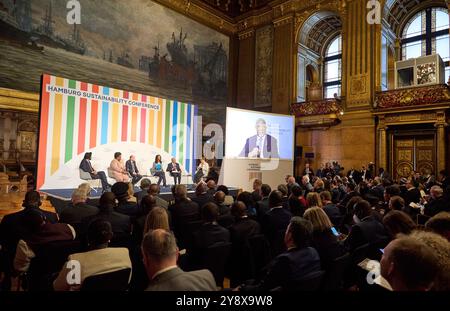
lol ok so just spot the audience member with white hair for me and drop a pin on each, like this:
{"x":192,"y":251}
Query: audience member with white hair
{"x":436,"y":203}
{"x":78,"y":209}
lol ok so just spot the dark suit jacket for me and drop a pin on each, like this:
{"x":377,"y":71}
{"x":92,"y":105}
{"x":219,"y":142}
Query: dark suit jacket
{"x":171,"y":167}
{"x":84,"y":165}
{"x":369,"y":230}
{"x":262,"y":207}
{"x":274,"y":224}
{"x":129,"y":167}
{"x":184,"y":211}
{"x":242,"y":229}
{"x":128,"y":208}
{"x":178,"y":280}
{"x":291,"y":267}
{"x":202,"y":199}
{"x":210,"y":234}
{"x":270,"y":147}
{"x":333,"y":213}
{"x":412,"y":195}
{"x":74,"y":214}
{"x":120,"y":223}
{"x":436,"y":206}
{"x":328,"y":247}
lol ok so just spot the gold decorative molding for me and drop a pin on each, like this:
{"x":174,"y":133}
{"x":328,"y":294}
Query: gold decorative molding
{"x":18,"y":100}
{"x":418,"y":117}
{"x":246,"y":34}
{"x":283,"y":21}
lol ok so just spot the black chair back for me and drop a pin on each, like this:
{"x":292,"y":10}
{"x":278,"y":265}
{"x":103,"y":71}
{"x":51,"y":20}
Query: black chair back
{"x":333,"y":278}
{"x":422,"y":219}
{"x":185,"y":233}
{"x":49,"y":260}
{"x":112,"y":281}
{"x":311,"y":282}
{"x":259,"y":254}
{"x":214,"y":259}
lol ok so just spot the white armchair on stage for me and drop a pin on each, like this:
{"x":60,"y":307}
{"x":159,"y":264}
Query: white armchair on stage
{"x":94,"y":183}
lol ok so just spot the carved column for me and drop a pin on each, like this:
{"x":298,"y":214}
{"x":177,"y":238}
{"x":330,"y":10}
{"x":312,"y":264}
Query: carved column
{"x":245,"y":89}
{"x":382,"y":143}
{"x":282,"y":63}
{"x":440,"y":126}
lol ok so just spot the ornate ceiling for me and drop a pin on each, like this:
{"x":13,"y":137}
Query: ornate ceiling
{"x":234,"y":8}
{"x":318,"y":28}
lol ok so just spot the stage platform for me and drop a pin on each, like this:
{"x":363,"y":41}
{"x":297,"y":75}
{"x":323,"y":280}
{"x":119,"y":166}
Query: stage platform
{"x":60,"y":198}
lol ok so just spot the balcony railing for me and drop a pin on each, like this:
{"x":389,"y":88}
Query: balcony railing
{"x":413,"y":96}
{"x":316,"y":107}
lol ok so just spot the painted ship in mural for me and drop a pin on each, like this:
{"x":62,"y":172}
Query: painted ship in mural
{"x":205,"y":73}
{"x":16,"y":23}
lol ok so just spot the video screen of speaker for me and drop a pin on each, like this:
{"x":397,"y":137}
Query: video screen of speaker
{"x":253,"y":134}
{"x":80,"y":121}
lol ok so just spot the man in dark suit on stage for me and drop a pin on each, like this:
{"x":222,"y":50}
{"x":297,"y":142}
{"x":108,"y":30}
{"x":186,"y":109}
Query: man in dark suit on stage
{"x":86,"y":166}
{"x":261,"y":145}
{"x":132,"y":169}
{"x":175,"y":171}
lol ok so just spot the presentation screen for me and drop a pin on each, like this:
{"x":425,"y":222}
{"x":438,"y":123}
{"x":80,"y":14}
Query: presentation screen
{"x":78,"y":117}
{"x":253,"y":134}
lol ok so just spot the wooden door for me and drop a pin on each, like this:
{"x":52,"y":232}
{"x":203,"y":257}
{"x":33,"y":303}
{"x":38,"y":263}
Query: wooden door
{"x":414,"y":153}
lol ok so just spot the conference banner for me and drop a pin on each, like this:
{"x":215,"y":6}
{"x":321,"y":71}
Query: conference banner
{"x":78,"y":117}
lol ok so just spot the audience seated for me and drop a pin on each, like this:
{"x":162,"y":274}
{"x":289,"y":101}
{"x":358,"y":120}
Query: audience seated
{"x":297,"y":202}
{"x":330,"y":209}
{"x":323,"y":239}
{"x":154,"y":190}
{"x":247,"y":198}
{"x":243,"y":227}
{"x":157,"y":218}
{"x":183,"y":210}
{"x":262,"y":206}
{"x":78,"y":209}
{"x":284,"y":191}
{"x":366,"y":228}
{"x":160,"y":254}
{"x":306,"y":185}
{"x":396,"y":222}
{"x":210,"y":233}
{"x":275,"y":222}
{"x":211,"y":184}
{"x":409,"y":265}
{"x":290,"y":182}
{"x":202,"y":196}
{"x":120,"y":223}
{"x":40,"y":232}
{"x":98,"y":260}
{"x":145,"y":186}
{"x":437,"y":203}
{"x":313,"y":199}
{"x":292,"y":266}
{"x":228,"y":201}
{"x":148,"y":203}
{"x":440,"y":223}
{"x":126,"y":205}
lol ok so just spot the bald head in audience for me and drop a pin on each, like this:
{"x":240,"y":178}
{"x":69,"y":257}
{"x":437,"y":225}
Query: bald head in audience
{"x":159,"y":251}
{"x":409,"y":265}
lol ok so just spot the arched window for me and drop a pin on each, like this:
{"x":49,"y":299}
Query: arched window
{"x":427,"y":33}
{"x":332,"y":68}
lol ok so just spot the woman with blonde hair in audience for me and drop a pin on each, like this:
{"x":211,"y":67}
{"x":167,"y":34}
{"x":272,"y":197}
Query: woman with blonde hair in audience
{"x":313,"y":199}
{"x":324,"y":240}
{"x":85,"y":187}
{"x":157,"y":219}
{"x":319,"y":185}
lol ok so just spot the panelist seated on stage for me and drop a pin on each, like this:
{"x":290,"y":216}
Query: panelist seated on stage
{"x":157,"y":170}
{"x":202,"y":170}
{"x":175,"y":171}
{"x":86,"y":166}
{"x":132,"y":169}
{"x":261,"y":145}
{"x":118,"y":169}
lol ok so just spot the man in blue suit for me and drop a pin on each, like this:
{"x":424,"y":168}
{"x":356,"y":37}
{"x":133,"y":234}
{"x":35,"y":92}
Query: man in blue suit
{"x":261,"y":145}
